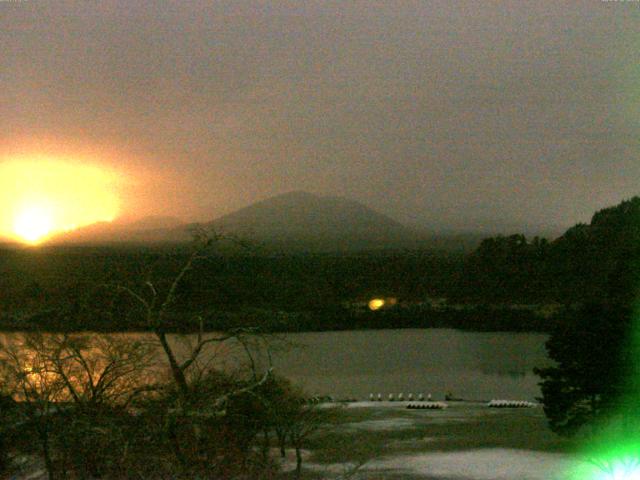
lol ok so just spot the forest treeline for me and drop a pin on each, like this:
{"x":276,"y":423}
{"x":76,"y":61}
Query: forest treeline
{"x":594,"y":263}
{"x":295,"y":292}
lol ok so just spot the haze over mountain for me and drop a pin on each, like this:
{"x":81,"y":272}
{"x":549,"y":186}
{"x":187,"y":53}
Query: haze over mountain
{"x":294,"y":219}
{"x":435,"y":113}
{"x":321,"y":220}
{"x":298,"y":220}
{"x":149,"y":229}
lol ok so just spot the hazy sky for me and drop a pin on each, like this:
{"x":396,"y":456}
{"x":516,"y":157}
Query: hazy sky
{"x":442,"y":113}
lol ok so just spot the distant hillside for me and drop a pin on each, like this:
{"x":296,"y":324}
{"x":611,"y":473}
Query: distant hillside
{"x":295,"y":221}
{"x":595,"y":262}
{"x":153,"y":222}
{"x":150,"y":229}
{"x":603,"y":258}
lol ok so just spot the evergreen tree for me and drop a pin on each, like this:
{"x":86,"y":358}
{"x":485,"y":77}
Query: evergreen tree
{"x":593,"y":376}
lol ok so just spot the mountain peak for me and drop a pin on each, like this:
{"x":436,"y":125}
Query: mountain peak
{"x":295,"y":218}
{"x":302,"y":217}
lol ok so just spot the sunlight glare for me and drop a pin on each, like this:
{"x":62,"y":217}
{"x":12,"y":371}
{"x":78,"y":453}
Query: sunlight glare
{"x":33,"y":223}
{"x":43,"y":197}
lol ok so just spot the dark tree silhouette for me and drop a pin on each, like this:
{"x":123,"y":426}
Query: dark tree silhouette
{"x":593,"y":377}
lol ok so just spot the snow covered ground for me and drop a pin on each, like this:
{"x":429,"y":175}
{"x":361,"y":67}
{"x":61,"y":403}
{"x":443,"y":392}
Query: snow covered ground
{"x":467,"y":441}
{"x":486,"y":464}
{"x":464,"y":442}
{"x":480,"y":464}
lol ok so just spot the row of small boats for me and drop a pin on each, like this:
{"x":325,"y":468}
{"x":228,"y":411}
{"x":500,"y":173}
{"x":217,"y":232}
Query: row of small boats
{"x":491,"y":404}
{"x":421,"y":403}
{"x":510,"y":404}
{"x":427,"y":406}
{"x":400,"y":398}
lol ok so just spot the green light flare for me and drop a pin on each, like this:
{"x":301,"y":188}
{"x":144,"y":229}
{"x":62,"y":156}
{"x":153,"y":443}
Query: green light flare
{"x":610,"y":449}
{"x":619,"y":473}
{"x":622,"y":468}
{"x":614,"y":452}
{"x":608,"y":460}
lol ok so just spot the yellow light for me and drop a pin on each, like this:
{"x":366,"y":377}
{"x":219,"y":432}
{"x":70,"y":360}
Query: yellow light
{"x":42,"y":197}
{"x":33,"y":223}
{"x":376,"y":304}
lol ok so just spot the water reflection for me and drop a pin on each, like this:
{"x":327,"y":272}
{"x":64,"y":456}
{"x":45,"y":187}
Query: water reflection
{"x":476,"y":366}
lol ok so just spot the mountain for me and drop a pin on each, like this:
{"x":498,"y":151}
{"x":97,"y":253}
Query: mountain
{"x":320,"y":221}
{"x":152,"y":222}
{"x":151,"y":229}
{"x":295,"y":220}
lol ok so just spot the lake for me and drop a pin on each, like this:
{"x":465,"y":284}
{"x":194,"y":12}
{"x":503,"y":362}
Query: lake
{"x":470,"y":365}
{"x":352,"y":364}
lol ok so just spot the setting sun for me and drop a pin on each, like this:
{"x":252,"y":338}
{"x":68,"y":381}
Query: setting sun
{"x":33,"y":223}
{"x":41,"y":198}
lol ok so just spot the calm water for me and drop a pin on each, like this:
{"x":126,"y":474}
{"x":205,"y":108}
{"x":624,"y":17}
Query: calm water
{"x":474,"y":366}
{"x":352,"y":364}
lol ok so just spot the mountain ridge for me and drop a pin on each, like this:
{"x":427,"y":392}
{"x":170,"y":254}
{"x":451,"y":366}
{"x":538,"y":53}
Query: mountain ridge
{"x":295,"y":220}
{"x":301,"y":215}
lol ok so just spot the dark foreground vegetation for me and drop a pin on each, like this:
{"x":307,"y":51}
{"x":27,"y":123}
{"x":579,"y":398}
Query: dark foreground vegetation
{"x":96,"y":406}
{"x":100,"y":407}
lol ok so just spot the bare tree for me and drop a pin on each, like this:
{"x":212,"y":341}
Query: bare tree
{"x":99,"y":409}
{"x":68,"y":387}
{"x":28,"y":376}
{"x":306,"y":421}
{"x":203,"y":395}
{"x":155,"y":307}
{"x":100,"y":369}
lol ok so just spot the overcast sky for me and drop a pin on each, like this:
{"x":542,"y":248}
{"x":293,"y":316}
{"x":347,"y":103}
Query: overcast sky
{"x":447,"y":114}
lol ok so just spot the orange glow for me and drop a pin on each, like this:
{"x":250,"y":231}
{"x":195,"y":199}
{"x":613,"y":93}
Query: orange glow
{"x":376,"y":304}
{"x":40,"y":198}
{"x":33,"y":223}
